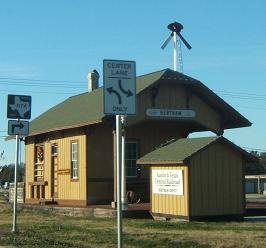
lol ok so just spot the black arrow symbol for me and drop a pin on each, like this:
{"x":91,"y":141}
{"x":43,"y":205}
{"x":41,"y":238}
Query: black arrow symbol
{"x":110,"y":90}
{"x":20,"y":125}
{"x":126,"y":92}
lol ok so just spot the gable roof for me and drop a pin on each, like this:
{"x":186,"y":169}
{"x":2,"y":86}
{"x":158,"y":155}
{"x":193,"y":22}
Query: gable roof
{"x":87,"y":108}
{"x":182,"y":149}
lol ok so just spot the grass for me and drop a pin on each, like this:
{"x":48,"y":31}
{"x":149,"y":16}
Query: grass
{"x":44,"y":229}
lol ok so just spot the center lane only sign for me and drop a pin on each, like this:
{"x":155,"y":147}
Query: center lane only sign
{"x":119,"y":84}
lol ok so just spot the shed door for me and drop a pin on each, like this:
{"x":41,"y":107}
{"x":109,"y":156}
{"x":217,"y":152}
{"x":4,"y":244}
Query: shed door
{"x":54,"y":164}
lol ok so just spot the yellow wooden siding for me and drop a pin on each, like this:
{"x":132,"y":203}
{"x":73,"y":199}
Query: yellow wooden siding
{"x":29,"y":174}
{"x":216,"y":186}
{"x":171,"y":204}
{"x":154,"y":134}
{"x":100,"y":164}
{"x":47,"y":169}
{"x":203,"y":113}
{"x":67,"y":189}
{"x":173,"y":96}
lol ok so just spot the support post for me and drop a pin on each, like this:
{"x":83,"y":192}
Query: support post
{"x":175,"y":52}
{"x":180,"y":60}
{"x":14,"y":228}
{"x":118,"y":179}
{"x":123,"y":173}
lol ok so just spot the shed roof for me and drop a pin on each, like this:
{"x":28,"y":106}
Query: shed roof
{"x":87,"y":108}
{"x":182,"y":149}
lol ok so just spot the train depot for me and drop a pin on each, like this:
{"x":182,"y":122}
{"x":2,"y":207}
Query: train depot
{"x":71,"y":148}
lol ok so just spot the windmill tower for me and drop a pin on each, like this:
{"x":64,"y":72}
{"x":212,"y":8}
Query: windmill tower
{"x":176,"y":28}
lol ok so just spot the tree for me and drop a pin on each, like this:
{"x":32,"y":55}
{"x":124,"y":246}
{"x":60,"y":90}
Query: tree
{"x":7,"y":173}
{"x":258,"y":167}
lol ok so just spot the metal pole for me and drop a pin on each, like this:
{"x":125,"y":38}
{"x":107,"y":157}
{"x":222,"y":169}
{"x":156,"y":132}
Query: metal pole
{"x":118,"y":179}
{"x":14,"y":229}
{"x":123,"y":162}
{"x":175,"y":52}
{"x":180,"y":59}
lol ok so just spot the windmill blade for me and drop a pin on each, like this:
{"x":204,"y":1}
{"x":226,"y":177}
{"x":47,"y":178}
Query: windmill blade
{"x":184,"y":41}
{"x":167,"y":40}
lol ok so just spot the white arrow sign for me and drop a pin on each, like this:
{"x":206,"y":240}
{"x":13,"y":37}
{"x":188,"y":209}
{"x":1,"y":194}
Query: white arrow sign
{"x":18,"y":127}
{"x":119,"y":81}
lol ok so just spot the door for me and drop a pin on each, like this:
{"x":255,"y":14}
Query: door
{"x":54,"y":179}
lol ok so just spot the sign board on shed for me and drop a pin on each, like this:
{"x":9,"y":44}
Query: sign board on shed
{"x":168,"y":182}
{"x":19,"y":107}
{"x":119,"y":81}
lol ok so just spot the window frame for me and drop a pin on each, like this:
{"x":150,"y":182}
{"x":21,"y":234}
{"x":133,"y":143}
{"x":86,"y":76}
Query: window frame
{"x":76,"y":160}
{"x":135,"y":159}
{"x":53,"y":153}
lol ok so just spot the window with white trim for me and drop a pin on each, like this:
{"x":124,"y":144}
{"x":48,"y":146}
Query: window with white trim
{"x":131,"y":157}
{"x":74,"y":160}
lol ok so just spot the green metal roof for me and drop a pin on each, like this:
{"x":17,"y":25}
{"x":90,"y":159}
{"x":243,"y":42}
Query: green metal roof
{"x":182,"y":149}
{"x":177,"y":151}
{"x":87,"y":108}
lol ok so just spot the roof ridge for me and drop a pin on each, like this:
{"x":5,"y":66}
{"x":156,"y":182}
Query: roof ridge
{"x":86,"y":92}
{"x":143,"y":75}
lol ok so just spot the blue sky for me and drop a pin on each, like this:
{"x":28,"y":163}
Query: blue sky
{"x":60,"y":41}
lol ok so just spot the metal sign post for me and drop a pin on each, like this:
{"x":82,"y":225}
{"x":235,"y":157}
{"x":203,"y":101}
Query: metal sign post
{"x":119,"y":86}
{"x":118,"y":178}
{"x":14,"y":227}
{"x":18,"y":107}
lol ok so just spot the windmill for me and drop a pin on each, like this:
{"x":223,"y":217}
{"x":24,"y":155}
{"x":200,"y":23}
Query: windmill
{"x":176,"y":28}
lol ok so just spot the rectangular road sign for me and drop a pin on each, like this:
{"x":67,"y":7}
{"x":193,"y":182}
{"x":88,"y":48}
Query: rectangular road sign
{"x":119,"y":81}
{"x":18,"y":127}
{"x":19,"y":107}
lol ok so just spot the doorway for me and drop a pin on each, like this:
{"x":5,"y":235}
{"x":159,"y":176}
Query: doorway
{"x":54,"y":175}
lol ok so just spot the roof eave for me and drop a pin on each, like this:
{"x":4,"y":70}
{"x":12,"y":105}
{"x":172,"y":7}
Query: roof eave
{"x":159,"y":162}
{"x":65,"y":127}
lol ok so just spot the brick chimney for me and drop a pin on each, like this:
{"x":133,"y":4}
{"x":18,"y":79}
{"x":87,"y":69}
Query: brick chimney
{"x":93,"y":80}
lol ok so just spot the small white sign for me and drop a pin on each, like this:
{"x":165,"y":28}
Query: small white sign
{"x":18,"y":127}
{"x":173,"y":113}
{"x":168,"y":182}
{"x":119,"y":81}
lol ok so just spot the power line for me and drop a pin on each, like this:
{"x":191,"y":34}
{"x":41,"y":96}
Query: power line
{"x":254,"y":149}
{"x":241,"y":93}
{"x":40,"y":80}
{"x":46,"y":85}
{"x":250,"y":107}
{"x":42,"y":92}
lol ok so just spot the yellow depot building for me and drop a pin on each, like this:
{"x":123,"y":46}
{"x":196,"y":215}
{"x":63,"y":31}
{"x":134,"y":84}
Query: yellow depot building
{"x":70,"y":150}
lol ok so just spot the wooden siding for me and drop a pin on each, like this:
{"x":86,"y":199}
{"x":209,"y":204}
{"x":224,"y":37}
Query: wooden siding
{"x":71,"y":189}
{"x":153,"y":134}
{"x":68,"y":189}
{"x":100,"y":164}
{"x":29,"y":173}
{"x":171,"y":204}
{"x":216,"y":182}
{"x":100,"y":151}
{"x":172,"y":96}
{"x":205,"y":114}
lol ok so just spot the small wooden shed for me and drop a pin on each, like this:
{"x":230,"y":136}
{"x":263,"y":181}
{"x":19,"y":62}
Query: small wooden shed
{"x":195,"y":178}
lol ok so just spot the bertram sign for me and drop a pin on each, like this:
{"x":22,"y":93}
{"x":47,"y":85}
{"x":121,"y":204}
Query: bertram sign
{"x":119,"y":81}
{"x":172,"y":113}
{"x":168,"y":182}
